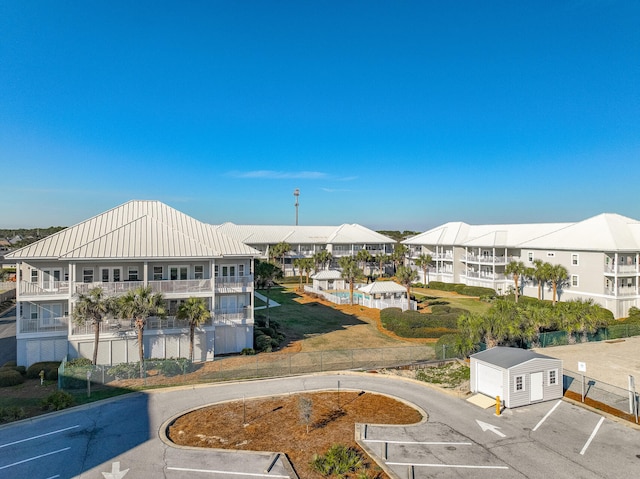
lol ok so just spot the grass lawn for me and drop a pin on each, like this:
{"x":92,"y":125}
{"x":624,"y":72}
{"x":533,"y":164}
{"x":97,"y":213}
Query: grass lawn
{"x":473,"y":305}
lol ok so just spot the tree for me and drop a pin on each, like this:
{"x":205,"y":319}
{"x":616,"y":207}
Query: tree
{"x":322,"y":258}
{"x":558,"y":274}
{"x":407,"y":275}
{"x":140,"y":304}
{"x":307,"y":265}
{"x":363,"y":256}
{"x":424,"y":262}
{"x":280,"y":250}
{"x":298,"y":264}
{"x":381,"y":260}
{"x":516,"y":269}
{"x":398,"y":256}
{"x":92,"y":308}
{"x":196,"y":312}
{"x":266,"y":274}
{"x":350,"y":272}
{"x":540,"y":274}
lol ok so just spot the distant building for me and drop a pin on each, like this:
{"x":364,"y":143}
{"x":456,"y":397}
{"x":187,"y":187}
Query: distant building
{"x":600,"y":253}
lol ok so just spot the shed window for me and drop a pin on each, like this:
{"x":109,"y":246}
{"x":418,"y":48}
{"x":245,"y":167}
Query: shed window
{"x":519,"y":383}
{"x":553,"y":377}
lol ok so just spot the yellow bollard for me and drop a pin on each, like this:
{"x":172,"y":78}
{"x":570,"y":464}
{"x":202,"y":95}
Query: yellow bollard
{"x":497,"y":405}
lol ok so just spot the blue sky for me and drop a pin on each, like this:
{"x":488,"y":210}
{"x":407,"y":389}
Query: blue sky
{"x":394,"y":115}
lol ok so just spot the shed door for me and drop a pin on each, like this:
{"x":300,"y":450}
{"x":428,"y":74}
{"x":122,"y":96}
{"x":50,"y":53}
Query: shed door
{"x":489,"y":380}
{"x":536,"y":386}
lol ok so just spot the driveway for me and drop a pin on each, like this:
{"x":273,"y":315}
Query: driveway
{"x":123,"y":437}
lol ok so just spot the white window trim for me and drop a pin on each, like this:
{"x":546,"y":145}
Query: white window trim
{"x":515,"y":383}
{"x":575,"y":256}
{"x":154,"y":273}
{"x":178,"y":268}
{"x":555,"y":383}
{"x":196,"y":272}
{"x":575,"y":280}
{"x":132,"y":269}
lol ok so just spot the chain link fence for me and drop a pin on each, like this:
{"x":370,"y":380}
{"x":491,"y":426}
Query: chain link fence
{"x":562,"y":338}
{"x":600,"y":394}
{"x":76,"y":374}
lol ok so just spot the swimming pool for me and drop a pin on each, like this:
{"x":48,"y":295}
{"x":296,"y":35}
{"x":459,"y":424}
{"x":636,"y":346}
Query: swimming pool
{"x":345,"y":294}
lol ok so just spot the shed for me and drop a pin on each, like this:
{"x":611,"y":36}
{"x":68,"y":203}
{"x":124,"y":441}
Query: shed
{"x":519,"y":376}
{"x":328,"y":279}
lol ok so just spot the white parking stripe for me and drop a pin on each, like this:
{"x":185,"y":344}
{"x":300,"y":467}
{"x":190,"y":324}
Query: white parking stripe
{"x":419,"y":442}
{"x":211,"y":471}
{"x":461,"y":466}
{"x":38,"y":436}
{"x":547,"y":415}
{"x":34,"y":458}
{"x":593,"y":434}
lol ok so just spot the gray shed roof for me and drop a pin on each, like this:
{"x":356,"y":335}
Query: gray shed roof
{"x":508,"y":357}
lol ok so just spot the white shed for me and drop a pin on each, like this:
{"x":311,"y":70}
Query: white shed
{"x":328,"y":279}
{"x":518,"y":376}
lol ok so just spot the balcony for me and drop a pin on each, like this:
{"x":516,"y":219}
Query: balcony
{"x":47,"y":288}
{"x":109,"y":289}
{"x":621,"y":291}
{"x":233,"y":283}
{"x":626,"y":269}
{"x":119,"y":326}
{"x":43,"y":325}
{"x":472,"y":258}
{"x":486,"y":276}
{"x":184,"y":286}
{"x":231,"y":317}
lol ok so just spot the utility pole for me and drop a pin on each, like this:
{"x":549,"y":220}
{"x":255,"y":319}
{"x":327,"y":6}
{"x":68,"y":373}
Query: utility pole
{"x":296,"y":193}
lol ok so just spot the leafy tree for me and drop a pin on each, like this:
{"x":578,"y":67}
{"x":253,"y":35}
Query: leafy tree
{"x":266,"y":274}
{"x":350,"y":272}
{"x":407,"y":275}
{"x":140,"y":304}
{"x":558,"y":274}
{"x":424,"y":262}
{"x":92,"y":307}
{"x":196,"y":312}
{"x":516,"y":269}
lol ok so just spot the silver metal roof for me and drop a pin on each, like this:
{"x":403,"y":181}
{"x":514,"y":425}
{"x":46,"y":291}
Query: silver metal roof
{"x":136,"y":229}
{"x":506,"y":358}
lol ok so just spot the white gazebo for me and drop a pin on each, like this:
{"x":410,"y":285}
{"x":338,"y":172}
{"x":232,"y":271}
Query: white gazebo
{"x":385,"y":294}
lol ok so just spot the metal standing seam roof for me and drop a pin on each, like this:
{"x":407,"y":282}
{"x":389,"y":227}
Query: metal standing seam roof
{"x":136,"y":229}
{"x":382,"y":287}
{"x":506,"y":358}
{"x":327,"y":274}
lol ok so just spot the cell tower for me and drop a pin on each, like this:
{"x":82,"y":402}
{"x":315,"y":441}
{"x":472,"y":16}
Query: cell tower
{"x":296,"y":193}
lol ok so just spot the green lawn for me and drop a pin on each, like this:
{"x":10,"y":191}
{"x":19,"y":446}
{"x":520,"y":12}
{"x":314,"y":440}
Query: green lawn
{"x":473,"y":305}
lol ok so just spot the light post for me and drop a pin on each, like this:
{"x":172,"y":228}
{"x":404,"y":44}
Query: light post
{"x":296,"y":193}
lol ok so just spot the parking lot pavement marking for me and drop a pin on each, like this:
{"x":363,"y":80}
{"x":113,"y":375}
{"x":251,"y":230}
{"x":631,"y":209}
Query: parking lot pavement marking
{"x":38,"y":436}
{"x":233,"y":473}
{"x":485,"y":426}
{"x":421,"y":442}
{"x":547,"y":415}
{"x":451,"y":466}
{"x":593,"y":434}
{"x":34,"y":458}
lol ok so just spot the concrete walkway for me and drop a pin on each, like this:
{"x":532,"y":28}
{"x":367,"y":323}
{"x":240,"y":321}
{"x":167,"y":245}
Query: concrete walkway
{"x":262,"y":297}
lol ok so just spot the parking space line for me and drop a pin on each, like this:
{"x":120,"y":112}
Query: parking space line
{"x":34,"y":458}
{"x":38,"y":436}
{"x":460,"y":466}
{"x":233,"y":473}
{"x":593,"y":434}
{"x":547,"y":415}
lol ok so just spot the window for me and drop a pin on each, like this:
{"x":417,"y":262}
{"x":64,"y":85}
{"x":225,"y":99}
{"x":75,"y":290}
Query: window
{"x":240,"y":270}
{"x":216,"y":271}
{"x":87,"y":275}
{"x":105,"y":275}
{"x":519,"y":383}
{"x":553,"y":377}
{"x":198,"y":271}
{"x":530,"y":257}
{"x":34,"y":275}
{"x":550,"y":254}
{"x":116,"y":275}
{"x":574,"y":259}
{"x":178,"y":272}
{"x":133,"y":273}
{"x":158,"y":273}
{"x":574,"y":280}
{"x":34,"y":311}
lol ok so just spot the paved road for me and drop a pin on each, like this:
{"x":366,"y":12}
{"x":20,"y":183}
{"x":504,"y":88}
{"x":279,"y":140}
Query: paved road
{"x":8,"y":336}
{"x":122,"y":438}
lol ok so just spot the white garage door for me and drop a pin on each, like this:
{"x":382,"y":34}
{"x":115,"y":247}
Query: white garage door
{"x":489,"y":380}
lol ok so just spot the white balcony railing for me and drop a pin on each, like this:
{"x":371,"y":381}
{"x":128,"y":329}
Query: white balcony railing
{"x":116,"y":326}
{"x":181,"y":286}
{"x":225,"y":282}
{"x":43,"y":325}
{"x":622,"y":291}
{"x":621,"y":269}
{"x":47,"y":288}
{"x":109,"y":289}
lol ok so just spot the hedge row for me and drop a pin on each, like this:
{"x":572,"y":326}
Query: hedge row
{"x":462,"y":289}
{"x":411,"y":324}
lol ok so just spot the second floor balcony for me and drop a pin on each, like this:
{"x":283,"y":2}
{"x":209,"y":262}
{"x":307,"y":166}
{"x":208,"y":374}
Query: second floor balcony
{"x":54,"y":324}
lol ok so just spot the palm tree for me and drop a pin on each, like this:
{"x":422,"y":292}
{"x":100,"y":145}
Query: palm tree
{"x":92,"y":307}
{"x":363,"y":256}
{"x":424,"y":262}
{"x":140,"y":304}
{"x":407,"y":275}
{"x":280,"y":250}
{"x":196,"y":312}
{"x":298,"y":264}
{"x":266,"y":274}
{"x":350,"y":272}
{"x":516,"y":269}
{"x":540,"y":274}
{"x":307,"y":265}
{"x":322,"y":258}
{"x":382,"y":259}
{"x":398,"y":255}
{"x":558,"y":274}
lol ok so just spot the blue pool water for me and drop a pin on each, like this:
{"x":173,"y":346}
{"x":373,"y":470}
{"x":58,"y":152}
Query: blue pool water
{"x":345,"y":294}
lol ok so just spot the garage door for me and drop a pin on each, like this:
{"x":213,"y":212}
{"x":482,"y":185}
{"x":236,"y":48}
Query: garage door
{"x":489,"y":380}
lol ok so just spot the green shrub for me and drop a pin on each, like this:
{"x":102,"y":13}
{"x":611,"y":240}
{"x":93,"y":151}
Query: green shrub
{"x":50,"y":370}
{"x":13,"y":413}
{"x":339,"y":460}
{"x":248,"y":352}
{"x":57,"y":401}
{"x":10,"y":377}
{"x":411,"y":324}
{"x":79,"y":362}
{"x":125,"y":370}
{"x":9,"y":364}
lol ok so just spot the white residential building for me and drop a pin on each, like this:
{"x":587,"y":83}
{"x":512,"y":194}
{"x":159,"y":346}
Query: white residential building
{"x":139,"y":243}
{"x":601,"y":254}
{"x":305,"y":241}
